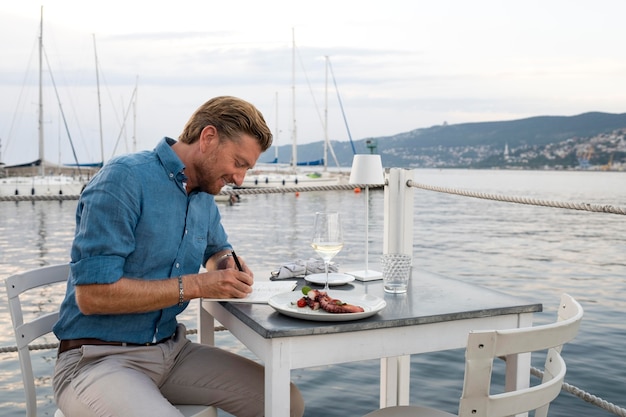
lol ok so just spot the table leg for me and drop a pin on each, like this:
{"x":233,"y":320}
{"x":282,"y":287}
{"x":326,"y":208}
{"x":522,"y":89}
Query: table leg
{"x":206,"y":326}
{"x":277,"y":381}
{"x":517,"y":374}
{"x":518,"y":366}
{"x":404,"y":379}
{"x":395,"y":378}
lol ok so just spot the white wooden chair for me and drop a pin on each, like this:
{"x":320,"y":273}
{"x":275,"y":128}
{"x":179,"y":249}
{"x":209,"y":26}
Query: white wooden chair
{"x":484,"y":346}
{"x":27,"y":332}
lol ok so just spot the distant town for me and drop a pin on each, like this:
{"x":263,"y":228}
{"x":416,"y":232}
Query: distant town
{"x":589,"y":141}
{"x":605,"y":152}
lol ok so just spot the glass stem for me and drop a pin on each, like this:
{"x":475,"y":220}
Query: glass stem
{"x":326,"y":264}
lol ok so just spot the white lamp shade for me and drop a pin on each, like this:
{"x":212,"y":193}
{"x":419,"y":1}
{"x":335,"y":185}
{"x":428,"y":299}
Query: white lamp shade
{"x":367,"y":169}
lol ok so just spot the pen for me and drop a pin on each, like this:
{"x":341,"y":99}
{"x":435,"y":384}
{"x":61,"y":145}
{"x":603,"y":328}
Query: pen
{"x":237,"y":261}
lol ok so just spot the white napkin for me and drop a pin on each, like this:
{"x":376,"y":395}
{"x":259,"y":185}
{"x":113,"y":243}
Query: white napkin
{"x":300,"y":268}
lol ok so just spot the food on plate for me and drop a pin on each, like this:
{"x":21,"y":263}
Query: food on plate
{"x":316,"y":299}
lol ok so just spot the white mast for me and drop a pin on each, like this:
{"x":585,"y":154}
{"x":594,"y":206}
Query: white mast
{"x":40,"y":124}
{"x":326,"y":120}
{"x":294,"y":146}
{"x":276,"y":131}
{"x":135,"y":115}
{"x":99,"y":102}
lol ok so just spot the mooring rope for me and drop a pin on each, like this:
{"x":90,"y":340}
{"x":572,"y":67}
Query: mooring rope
{"x":522,"y":200}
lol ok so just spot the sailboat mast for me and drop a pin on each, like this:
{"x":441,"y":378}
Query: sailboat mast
{"x":99,"y":102}
{"x":135,"y":115}
{"x":326,"y":120}
{"x":294,"y":145}
{"x":276,"y":130}
{"x":40,"y":122}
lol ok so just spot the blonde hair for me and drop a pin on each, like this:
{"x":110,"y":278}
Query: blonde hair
{"x":231,"y":116}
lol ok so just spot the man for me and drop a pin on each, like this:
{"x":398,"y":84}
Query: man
{"x":144,"y":225}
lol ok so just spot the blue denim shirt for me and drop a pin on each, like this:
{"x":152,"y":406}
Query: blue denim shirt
{"x":135,"y":220}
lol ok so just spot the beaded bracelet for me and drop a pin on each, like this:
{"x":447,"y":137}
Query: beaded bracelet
{"x":181,"y":291}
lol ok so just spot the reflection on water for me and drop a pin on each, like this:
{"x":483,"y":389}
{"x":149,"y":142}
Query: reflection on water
{"x":34,"y":234}
{"x":530,"y":251}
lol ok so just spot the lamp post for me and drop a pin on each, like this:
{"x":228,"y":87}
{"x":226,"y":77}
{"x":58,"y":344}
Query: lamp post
{"x":367,"y":169}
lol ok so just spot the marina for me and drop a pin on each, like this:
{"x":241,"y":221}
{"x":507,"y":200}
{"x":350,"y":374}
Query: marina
{"x":41,"y":177}
{"x":518,"y":249}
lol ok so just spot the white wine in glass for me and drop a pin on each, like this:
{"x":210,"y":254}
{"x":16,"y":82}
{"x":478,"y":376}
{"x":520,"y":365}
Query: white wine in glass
{"x":327,"y":238}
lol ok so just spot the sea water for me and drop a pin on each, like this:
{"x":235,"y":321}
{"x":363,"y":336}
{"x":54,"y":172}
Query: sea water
{"x":519,"y":249}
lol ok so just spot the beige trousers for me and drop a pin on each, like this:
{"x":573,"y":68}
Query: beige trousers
{"x":118,"y":381}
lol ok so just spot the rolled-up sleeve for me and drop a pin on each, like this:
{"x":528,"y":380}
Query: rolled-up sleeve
{"x":105,"y":228}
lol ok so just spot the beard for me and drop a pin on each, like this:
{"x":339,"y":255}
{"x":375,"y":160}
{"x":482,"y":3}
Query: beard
{"x":209,"y":181}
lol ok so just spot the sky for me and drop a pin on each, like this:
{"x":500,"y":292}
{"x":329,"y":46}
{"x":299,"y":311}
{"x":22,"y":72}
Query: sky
{"x":395,"y":66}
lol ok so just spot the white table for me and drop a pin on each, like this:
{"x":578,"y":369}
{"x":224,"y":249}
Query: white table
{"x":436,"y":314}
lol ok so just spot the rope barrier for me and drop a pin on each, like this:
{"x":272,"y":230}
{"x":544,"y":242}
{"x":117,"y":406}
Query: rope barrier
{"x":590,"y":398}
{"x":343,"y":187}
{"x":233,"y":192}
{"x":48,"y":197}
{"x":47,"y":346}
{"x":522,"y":200}
{"x":284,"y":190}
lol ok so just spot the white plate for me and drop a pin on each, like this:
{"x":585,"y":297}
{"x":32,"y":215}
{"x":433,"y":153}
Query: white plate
{"x":285,"y":303}
{"x":334,"y":278}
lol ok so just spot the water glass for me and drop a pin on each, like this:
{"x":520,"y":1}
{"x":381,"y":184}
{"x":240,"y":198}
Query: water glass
{"x":396,"y":272}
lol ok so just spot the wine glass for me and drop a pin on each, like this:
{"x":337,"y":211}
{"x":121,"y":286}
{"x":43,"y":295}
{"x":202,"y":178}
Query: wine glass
{"x":327,"y":238}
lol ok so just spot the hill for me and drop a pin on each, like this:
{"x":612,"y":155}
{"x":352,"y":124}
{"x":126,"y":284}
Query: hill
{"x":558,"y":142}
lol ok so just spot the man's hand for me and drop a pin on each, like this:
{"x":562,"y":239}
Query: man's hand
{"x":225,"y":260}
{"x":224,"y":283}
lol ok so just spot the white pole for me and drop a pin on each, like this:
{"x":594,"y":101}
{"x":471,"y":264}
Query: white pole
{"x":398,"y":225}
{"x":395,"y":372}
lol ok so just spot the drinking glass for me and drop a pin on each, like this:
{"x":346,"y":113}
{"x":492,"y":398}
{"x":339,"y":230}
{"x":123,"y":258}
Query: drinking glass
{"x":327,"y":238}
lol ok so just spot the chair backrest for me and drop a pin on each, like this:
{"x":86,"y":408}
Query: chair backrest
{"x":27,"y":332}
{"x":484,"y":346}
